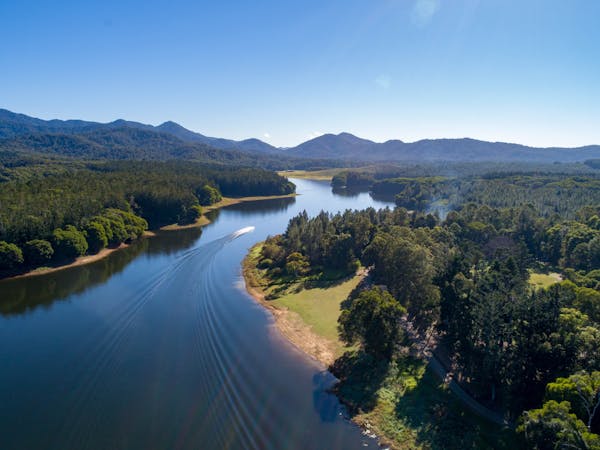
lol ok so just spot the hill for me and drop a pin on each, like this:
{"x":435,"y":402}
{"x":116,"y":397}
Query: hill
{"x":347,"y":146}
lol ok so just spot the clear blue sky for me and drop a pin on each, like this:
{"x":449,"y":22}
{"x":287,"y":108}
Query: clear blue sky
{"x":511,"y":70}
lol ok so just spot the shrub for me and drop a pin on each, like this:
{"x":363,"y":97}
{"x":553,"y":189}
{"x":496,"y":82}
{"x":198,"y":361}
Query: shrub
{"x":11,"y":256}
{"x":37,"y":252}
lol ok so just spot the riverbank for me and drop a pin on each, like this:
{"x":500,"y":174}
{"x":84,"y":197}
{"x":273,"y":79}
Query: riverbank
{"x":226,"y":201}
{"x":305,"y":317}
{"x":319,"y":175}
{"x":403,"y":402}
{"x":89,"y":259}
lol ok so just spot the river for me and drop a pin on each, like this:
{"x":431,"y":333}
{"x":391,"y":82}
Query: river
{"x":158,"y":346}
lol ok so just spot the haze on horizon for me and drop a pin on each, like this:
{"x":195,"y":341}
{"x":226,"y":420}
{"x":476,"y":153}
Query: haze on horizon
{"x":524,"y":72}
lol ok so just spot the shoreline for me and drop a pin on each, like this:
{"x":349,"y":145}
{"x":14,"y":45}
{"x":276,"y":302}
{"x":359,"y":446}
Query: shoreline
{"x":289,"y":324}
{"x":79,"y":261}
{"x":225,"y":202}
{"x":105,"y":252}
{"x":300,"y":335}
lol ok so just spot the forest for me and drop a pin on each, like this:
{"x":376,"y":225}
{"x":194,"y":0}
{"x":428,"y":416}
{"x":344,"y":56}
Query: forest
{"x":463,"y":281}
{"x":82,"y":208}
{"x":561,"y":192}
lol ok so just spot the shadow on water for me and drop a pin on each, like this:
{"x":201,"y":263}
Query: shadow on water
{"x":20,"y":296}
{"x":355,"y":192}
{"x":325,"y":404}
{"x":262,"y":207}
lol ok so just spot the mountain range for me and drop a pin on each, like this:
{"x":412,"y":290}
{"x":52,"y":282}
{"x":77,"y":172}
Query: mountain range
{"x":122,"y":139}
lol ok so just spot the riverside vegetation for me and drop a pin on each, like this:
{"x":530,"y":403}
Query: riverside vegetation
{"x":482,"y":287}
{"x":51,"y":219}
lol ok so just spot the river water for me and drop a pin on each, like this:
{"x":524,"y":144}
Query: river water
{"x":158,"y":346}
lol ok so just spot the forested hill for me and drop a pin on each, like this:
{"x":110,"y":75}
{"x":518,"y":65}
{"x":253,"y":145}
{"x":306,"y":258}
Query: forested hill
{"x":126,"y":143}
{"x":347,"y":146}
{"x":13,"y":125}
{"x":175,"y":141}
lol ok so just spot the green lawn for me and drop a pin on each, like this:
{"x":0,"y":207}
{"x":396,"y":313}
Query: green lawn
{"x":320,"y":308}
{"x":542,"y":280}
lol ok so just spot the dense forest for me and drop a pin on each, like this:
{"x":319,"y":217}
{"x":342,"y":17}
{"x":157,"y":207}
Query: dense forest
{"x":560,"y":193}
{"x":82,"y":209}
{"x":464,"y":281}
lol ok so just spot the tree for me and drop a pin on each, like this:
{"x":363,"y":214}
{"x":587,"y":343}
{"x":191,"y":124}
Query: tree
{"x":582,"y":391}
{"x":96,"y":237}
{"x":373,"y":320}
{"x":193,"y":213}
{"x":11,"y":256}
{"x":297,"y":264}
{"x":69,"y":242}
{"x":37,"y":252}
{"x":208,"y":195}
{"x":554,"y":426}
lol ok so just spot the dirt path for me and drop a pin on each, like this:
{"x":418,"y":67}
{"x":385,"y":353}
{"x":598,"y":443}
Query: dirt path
{"x":422,"y":345}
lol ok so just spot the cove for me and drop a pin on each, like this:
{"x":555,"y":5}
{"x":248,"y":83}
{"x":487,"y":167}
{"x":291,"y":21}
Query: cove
{"x":159,"y":346}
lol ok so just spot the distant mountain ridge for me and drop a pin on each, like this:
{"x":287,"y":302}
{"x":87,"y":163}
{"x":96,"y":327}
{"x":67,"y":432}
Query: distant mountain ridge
{"x":348,"y":146}
{"x":19,"y":130}
{"x":13,"y":125}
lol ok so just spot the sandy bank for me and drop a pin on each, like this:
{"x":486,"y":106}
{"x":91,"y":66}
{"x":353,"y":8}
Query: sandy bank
{"x":288,"y":322}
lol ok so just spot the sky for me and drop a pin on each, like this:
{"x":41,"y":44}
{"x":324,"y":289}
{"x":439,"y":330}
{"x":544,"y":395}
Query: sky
{"x":525,"y":71}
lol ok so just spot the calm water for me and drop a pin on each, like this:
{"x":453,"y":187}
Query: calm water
{"x":159,"y":347}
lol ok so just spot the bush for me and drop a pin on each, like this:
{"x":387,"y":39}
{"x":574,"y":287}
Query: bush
{"x":69,"y":242}
{"x":208,"y":195}
{"x":265,"y":263}
{"x":37,"y":252}
{"x":193,"y":213}
{"x":11,"y":256}
{"x":96,"y":237}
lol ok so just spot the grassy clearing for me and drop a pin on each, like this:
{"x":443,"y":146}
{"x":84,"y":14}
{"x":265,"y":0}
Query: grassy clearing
{"x":324,"y":175}
{"x":541,"y":280}
{"x":319,"y":308}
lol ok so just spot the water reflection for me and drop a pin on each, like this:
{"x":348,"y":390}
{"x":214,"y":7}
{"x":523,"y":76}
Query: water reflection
{"x":356,"y":192}
{"x":263,"y":207}
{"x":156,"y":347}
{"x":23,"y":295}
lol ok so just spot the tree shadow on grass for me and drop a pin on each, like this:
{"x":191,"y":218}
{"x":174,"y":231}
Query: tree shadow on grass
{"x":441,"y":421}
{"x":361,"y":376}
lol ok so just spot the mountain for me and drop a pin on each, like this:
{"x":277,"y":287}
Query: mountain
{"x":13,"y":125}
{"x":110,"y":140}
{"x":345,"y":146}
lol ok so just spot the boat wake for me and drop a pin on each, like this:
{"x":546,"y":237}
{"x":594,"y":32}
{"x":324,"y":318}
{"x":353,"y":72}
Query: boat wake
{"x":241,"y":232}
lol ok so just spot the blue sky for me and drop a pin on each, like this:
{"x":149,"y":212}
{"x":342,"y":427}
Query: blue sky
{"x":518,"y":71}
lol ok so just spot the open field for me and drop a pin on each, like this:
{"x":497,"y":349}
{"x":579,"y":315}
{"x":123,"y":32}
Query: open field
{"x":319,"y":308}
{"x":323,"y":175}
{"x":542,"y":280}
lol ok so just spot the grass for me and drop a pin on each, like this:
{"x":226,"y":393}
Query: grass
{"x":407,"y":405}
{"x":320,"y":308}
{"x":541,"y":280}
{"x":325,"y":175}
